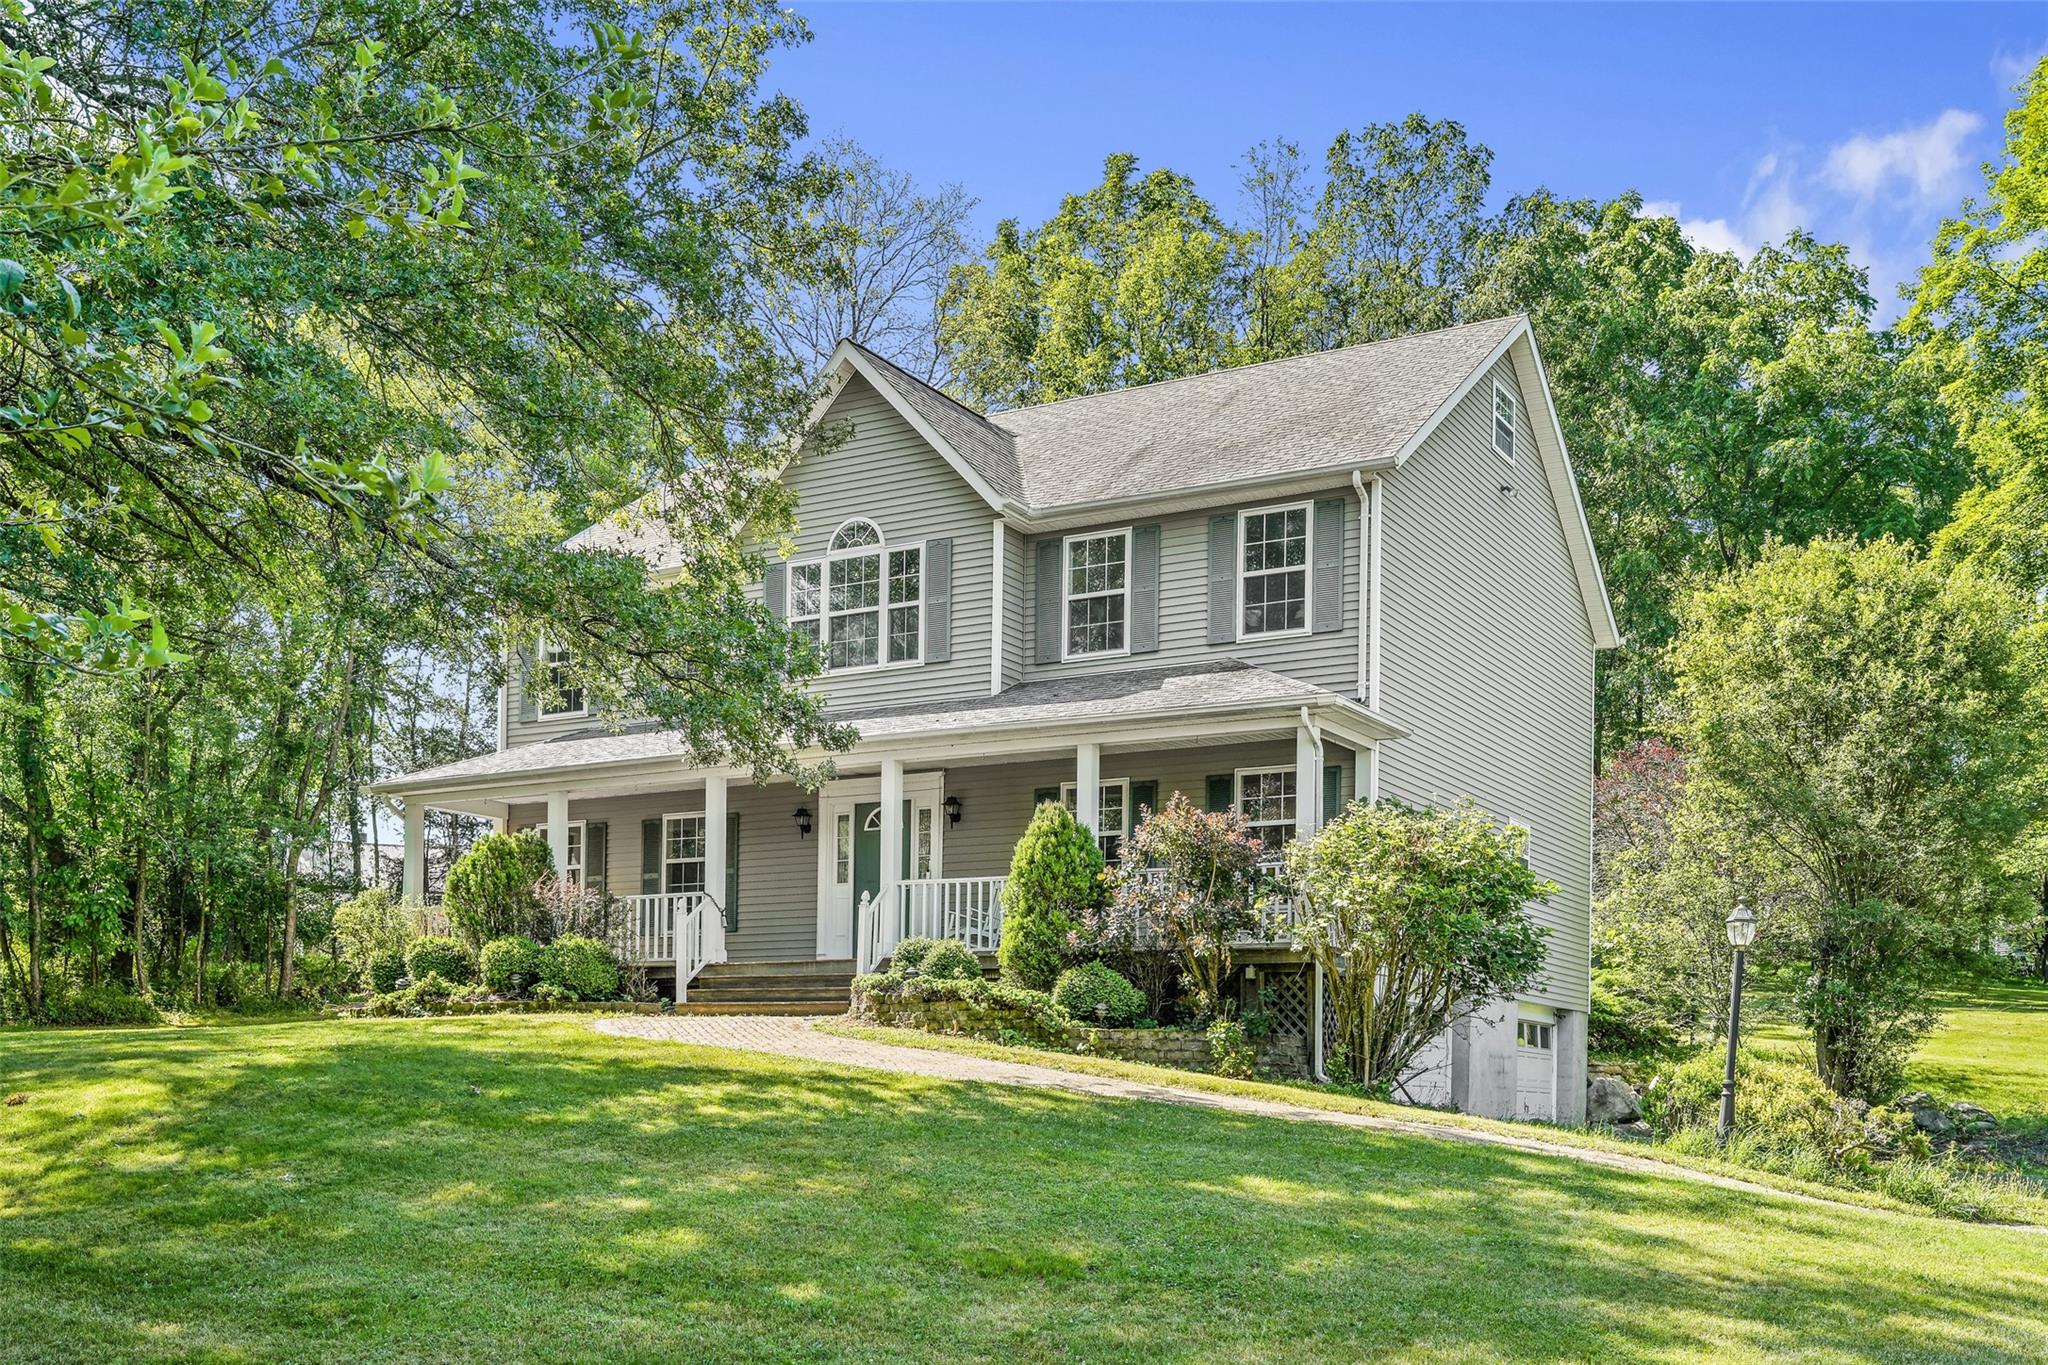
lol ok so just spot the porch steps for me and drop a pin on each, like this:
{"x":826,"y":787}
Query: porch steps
{"x":771,"y":988}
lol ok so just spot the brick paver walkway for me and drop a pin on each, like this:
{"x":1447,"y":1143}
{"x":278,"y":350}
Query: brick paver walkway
{"x":796,"y":1037}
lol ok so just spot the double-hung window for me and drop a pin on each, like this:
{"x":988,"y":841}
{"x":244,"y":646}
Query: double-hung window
{"x":1504,"y":421}
{"x":558,"y":697}
{"x":864,"y":602}
{"x":1266,"y":799}
{"x":572,"y":864}
{"x":682,"y":854}
{"x":1273,"y":570}
{"x":1113,"y":814}
{"x":1098,"y":593}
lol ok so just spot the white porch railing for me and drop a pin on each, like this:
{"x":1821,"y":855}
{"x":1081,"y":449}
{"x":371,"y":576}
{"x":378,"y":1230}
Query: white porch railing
{"x":699,"y":939}
{"x":647,"y":927}
{"x":970,"y":911}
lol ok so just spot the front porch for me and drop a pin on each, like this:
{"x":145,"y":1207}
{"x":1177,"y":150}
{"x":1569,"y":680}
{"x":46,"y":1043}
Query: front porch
{"x":708,"y":866}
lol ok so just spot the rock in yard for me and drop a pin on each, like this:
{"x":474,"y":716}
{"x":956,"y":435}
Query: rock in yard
{"x":1930,"y":1115}
{"x":1610,"y":1100}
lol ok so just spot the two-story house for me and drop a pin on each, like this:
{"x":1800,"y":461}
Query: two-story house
{"x":1276,"y":588}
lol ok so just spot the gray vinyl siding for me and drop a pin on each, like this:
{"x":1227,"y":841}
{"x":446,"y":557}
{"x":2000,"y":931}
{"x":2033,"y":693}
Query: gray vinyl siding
{"x":1487,"y":659}
{"x":1328,"y":660}
{"x":519,"y":731}
{"x":886,"y":472}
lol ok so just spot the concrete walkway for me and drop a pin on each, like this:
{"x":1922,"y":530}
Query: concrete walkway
{"x":798,"y":1038}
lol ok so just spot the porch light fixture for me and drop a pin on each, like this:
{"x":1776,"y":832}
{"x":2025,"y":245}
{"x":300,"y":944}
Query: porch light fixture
{"x":803,"y":821}
{"x":1741,"y":933}
{"x":952,"y":810}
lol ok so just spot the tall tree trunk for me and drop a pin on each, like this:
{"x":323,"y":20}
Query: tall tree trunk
{"x":141,"y":854}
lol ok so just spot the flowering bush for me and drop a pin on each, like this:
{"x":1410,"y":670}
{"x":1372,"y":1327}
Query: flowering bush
{"x":1187,"y":883}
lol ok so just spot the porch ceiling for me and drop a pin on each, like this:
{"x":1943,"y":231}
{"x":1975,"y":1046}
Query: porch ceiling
{"x":1127,"y":710}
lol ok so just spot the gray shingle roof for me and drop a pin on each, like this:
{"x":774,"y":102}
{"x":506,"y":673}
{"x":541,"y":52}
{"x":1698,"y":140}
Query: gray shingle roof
{"x":1146,"y":693}
{"x":1331,"y":410}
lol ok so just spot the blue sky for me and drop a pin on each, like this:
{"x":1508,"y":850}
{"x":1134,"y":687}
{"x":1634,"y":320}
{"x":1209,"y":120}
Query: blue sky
{"x":1862,"y":124}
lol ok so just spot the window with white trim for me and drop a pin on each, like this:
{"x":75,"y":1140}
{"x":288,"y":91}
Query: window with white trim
{"x":1273,"y":570}
{"x":682,"y":854}
{"x":573,"y":860}
{"x":1504,"y":421}
{"x":864,"y":601}
{"x":842,"y":849}
{"x":558,"y":697}
{"x":1113,"y":814}
{"x":1266,"y":799}
{"x":1530,"y":1033}
{"x":1098,"y":593}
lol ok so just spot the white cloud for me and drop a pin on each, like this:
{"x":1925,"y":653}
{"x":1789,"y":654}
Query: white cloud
{"x":1930,"y":156}
{"x":1708,"y":234}
{"x":1660,"y":208}
{"x":2010,"y":68}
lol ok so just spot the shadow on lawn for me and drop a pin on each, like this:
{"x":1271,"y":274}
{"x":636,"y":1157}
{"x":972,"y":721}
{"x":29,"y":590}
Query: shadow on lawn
{"x":519,"y":1188}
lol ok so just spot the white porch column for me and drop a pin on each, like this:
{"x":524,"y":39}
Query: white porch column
{"x":1088,"y":785}
{"x":1308,"y":782}
{"x":415,"y":873}
{"x":558,"y":834}
{"x":892,"y":824}
{"x":714,"y":838}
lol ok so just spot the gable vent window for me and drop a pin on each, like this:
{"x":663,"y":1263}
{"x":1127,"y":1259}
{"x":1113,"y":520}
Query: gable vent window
{"x":1273,"y":570}
{"x":864,"y":601}
{"x":1503,"y":421}
{"x":558,"y":696}
{"x":1098,"y":593}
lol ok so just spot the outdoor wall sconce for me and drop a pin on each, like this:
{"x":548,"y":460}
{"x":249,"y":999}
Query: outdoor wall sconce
{"x":952,"y":810}
{"x":803,"y":821}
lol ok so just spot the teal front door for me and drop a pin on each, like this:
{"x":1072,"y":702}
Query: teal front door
{"x":867,"y":854}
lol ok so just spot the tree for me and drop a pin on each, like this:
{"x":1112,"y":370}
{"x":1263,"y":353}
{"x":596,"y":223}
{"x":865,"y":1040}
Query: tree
{"x":1187,"y":881}
{"x":494,"y":889}
{"x":1862,"y":715}
{"x":1055,"y":878}
{"x":1415,"y":916}
{"x":890,"y":248}
{"x":1125,"y":284}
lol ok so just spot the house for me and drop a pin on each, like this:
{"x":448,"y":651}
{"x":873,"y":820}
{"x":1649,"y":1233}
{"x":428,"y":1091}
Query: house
{"x":1354,"y":574}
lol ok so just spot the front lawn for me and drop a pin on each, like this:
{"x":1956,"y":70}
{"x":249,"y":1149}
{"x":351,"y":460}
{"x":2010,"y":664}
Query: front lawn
{"x":521,"y":1188}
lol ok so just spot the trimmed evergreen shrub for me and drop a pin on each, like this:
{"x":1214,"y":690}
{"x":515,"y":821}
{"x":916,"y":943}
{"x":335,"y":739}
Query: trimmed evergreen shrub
{"x":442,"y":956}
{"x":1055,"y":878}
{"x":582,"y":966}
{"x":491,"y":889}
{"x":950,"y":960}
{"x":510,"y":965}
{"x":386,"y":965}
{"x":1080,"y":990}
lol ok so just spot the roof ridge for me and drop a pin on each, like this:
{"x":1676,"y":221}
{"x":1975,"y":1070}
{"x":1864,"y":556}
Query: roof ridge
{"x":926,"y":385}
{"x":1254,"y":365}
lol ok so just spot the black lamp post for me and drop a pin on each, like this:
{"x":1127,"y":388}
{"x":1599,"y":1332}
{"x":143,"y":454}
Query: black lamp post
{"x":1741,"y":930}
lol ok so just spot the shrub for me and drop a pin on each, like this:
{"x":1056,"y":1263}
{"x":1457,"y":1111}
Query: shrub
{"x":1620,"y":1026}
{"x":1186,"y":880}
{"x":235,"y":984}
{"x":439,"y":955}
{"x":950,"y":960}
{"x":1055,"y":878}
{"x":89,"y":1006}
{"x":429,"y":995}
{"x":1051,"y":1023}
{"x":510,"y":965}
{"x":491,"y":890}
{"x":548,"y":996}
{"x":316,"y":977}
{"x":371,"y":923}
{"x":907,"y":958}
{"x":1231,"y":1048}
{"x":386,"y":965}
{"x":1094,"y":992}
{"x":582,"y":966}
{"x":1783,"y":1111}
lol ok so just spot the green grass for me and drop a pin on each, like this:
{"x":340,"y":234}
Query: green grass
{"x":517,"y":1188}
{"x":1991,"y":1049}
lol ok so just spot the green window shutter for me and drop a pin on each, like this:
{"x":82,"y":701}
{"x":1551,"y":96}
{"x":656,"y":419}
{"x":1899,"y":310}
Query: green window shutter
{"x":594,"y":854}
{"x":938,"y":600}
{"x":650,"y":857}
{"x":1144,"y":623}
{"x":1328,"y":554}
{"x":1333,"y":792}
{"x":1221,"y":793}
{"x":523,"y":669}
{"x":1043,"y":795}
{"x":732,"y":872}
{"x":1144,"y":796}
{"x":1223,"y":578}
{"x":1046,"y":648}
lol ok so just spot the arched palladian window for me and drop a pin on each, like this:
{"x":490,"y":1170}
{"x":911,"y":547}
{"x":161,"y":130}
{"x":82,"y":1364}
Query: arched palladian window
{"x":864,"y":601}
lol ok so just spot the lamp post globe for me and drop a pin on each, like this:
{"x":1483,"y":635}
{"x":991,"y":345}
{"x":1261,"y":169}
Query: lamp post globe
{"x":1741,"y":933}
